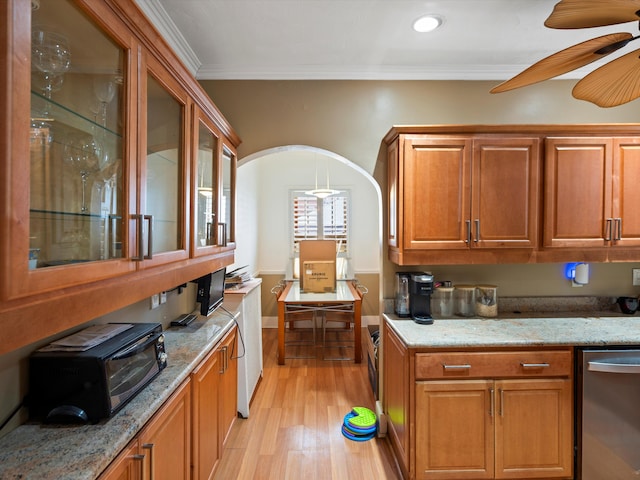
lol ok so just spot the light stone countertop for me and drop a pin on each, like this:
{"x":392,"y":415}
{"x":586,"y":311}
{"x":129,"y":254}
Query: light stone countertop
{"x":43,"y":452}
{"x":525,"y":330}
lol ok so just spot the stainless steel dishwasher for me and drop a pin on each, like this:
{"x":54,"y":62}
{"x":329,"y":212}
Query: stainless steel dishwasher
{"x":608,"y":427}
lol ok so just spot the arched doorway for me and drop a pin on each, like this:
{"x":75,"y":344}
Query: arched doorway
{"x":265,"y":179}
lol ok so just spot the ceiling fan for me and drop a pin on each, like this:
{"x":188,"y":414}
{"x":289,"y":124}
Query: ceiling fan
{"x":614,"y":83}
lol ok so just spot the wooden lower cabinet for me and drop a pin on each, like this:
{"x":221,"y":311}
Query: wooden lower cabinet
{"x":214,"y":406}
{"x":128,"y":466}
{"x":162,"y":449}
{"x":508,"y":429}
{"x":479,"y":414}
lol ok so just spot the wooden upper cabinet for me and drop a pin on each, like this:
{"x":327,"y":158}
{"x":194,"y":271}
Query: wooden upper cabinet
{"x":591,"y":193}
{"x":96,"y":169}
{"x":505,"y":192}
{"x":456,"y":193}
{"x":436,"y":185}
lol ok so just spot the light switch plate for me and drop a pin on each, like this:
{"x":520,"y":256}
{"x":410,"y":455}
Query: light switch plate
{"x":636,"y":277}
{"x":163,"y":297}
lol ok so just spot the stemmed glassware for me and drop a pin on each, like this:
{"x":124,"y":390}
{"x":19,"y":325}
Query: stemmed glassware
{"x":50,"y":55}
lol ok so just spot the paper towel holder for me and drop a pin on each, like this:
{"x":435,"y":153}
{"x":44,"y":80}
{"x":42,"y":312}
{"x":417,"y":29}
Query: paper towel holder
{"x":578,"y":273}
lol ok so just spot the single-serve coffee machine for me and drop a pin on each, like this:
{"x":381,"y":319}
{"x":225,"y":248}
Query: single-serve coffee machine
{"x":420,"y":290}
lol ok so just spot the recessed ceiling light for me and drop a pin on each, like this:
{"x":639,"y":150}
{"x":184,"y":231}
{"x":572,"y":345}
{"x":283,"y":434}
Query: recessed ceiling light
{"x":427,"y":23}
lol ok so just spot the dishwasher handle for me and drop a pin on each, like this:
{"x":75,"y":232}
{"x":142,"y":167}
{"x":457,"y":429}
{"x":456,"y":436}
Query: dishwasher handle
{"x":613,"y":366}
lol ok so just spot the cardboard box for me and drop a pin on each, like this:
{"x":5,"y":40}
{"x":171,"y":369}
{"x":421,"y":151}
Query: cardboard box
{"x":319,"y":276}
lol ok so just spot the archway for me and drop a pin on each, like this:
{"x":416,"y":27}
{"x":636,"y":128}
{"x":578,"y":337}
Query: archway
{"x":267,"y":175}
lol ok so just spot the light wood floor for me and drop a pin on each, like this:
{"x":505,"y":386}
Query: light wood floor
{"x":293,"y":429}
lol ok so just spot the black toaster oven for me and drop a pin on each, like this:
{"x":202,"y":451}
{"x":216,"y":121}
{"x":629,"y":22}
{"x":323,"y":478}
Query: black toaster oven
{"x":92,"y":374}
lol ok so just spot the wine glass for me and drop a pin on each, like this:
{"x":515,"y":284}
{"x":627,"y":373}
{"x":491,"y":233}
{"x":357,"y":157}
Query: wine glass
{"x":105,"y":90}
{"x":51,"y":56}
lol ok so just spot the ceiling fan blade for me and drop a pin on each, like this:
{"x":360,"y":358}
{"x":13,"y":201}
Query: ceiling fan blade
{"x":592,"y":13}
{"x":613,"y":84}
{"x":566,"y":60}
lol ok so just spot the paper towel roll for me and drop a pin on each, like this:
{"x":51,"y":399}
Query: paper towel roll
{"x":582,"y":274}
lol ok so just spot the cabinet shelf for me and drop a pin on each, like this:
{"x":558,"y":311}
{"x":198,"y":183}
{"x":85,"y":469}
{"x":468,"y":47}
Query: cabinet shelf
{"x":48,"y":110}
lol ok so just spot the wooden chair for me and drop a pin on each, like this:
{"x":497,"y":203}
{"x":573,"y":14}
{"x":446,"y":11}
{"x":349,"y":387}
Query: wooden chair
{"x":294,"y":333}
{"x":340,"y":339}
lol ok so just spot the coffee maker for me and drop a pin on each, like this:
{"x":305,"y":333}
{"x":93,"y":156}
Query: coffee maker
{"x":420,"y":290}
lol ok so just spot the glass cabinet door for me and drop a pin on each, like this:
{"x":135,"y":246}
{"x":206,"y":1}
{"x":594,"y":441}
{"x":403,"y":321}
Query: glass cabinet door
{"x":226,"y":198}
{"x":206,"y":153}
{"x":76,"y":139}
{"x":65,"y":173}
{"x":161,"y":235}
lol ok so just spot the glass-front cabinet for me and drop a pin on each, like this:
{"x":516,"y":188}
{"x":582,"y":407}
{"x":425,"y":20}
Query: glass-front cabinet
{"x":103,"y":155}
{"x":161,"y":217}
{"x":213,"y":190}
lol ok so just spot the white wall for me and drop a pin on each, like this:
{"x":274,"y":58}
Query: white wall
{"x":248,"y":188}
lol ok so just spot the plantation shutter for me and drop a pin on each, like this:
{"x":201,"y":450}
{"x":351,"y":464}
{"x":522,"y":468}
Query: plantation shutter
{"x":320,"y":219}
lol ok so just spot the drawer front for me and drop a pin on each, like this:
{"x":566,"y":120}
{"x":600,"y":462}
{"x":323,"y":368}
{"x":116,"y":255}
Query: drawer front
{"x":529,"y":363}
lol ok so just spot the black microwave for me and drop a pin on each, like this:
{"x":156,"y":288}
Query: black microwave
{"x":92,"y":374}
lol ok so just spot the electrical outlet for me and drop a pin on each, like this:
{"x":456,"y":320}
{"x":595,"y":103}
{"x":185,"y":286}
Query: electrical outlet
{"x":163,"y":297}
{"x":155,"y":301}
{"x":636,"y":277}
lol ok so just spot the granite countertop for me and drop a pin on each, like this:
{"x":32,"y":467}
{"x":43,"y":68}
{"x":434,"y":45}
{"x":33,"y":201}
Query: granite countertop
{"x":521,"y":330}
{"x":43,"y":452}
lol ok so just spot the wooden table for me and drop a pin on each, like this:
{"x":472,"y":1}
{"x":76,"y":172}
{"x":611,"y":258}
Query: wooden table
{"x":346,"y":297}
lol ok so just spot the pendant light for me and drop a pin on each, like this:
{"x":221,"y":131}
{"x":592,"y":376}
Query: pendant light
{"x":322,"y":192}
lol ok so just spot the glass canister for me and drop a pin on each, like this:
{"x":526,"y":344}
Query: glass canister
{"x":442,"y":302}
{"x":464,"y":297}
{"x":487,"y":300}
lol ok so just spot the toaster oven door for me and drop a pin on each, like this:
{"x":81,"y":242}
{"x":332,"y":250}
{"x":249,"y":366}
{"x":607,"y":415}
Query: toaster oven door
{"x":130,"y":369}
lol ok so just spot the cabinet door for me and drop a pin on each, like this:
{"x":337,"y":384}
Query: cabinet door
{"x":228,"y":351}
{"x":578,"y":192}
{"x":436,"y":179}
{"x":396,"y":395}
{"x":166,"y":439}
{"x":505,"y":193}
{"x":534,"y":428}
{"x":226,"y":185}
{"x":626,"y":194}
{"x":393,"y":203}
{"x":160,"y":218}
{"x":206,"y":449}
{"x":206,"y":160}
{"x":127,"y":466}
{"x":69,"y":132}
{"x":454,"y":429}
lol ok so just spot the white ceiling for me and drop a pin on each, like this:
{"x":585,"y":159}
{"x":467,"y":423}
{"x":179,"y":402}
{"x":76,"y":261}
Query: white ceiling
{"x":363,"y":39}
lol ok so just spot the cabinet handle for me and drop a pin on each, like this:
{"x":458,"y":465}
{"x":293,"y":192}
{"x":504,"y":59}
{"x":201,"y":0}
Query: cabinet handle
{"x":149,"y":446}
{"x":149,"y":219}
{"x":477,"y":222}
{"x":140,"y":241}
{"x":223,"y":352}
{"x":492,"y":405}
{"x":463,"y":366}
{"x":534,"y":365}
{"x":501,"y":413}
{"x":607,"y":234}
{"x":222,"y":234}
{"x":618,"y":228}
{"x":140,"y":458}
{"x":468,"y":240}
{"x":113,"y":237}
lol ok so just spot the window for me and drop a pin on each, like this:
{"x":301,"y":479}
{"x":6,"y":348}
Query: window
{"x":315,"y":218}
